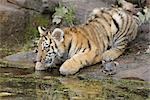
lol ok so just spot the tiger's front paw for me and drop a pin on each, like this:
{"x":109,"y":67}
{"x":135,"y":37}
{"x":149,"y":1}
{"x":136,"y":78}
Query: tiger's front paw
{"x":39,"y":66}
{"x":68,"y":68}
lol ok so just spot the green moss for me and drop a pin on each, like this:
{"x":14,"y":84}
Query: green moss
{"x":125,"y":89}
{"x":6,"y":51}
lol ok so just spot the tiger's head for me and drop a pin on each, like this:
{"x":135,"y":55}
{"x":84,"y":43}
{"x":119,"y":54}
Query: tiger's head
{"x":50,"y":48}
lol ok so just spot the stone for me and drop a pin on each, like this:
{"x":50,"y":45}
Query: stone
{"x":17,"y":2}
{"x":84,"y":7}
{"x":12,"y":25}
{"x":22,"y":57}
{"x":27,"y":4}
{"x":14,"y":18}
{"x":141,"y":73}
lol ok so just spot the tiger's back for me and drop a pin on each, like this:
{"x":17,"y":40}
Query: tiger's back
{"x":109,"y":26}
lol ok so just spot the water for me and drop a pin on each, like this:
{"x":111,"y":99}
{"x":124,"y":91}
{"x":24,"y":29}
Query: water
{"x":27,"y":84}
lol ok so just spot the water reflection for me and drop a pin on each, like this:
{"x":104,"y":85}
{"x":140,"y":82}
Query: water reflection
{"x":15,"y":71}
{"x":27,"y":84}
{"x":51,"y":72}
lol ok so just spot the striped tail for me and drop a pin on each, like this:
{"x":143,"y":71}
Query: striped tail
{"x":140,"y":16}
{"x":144,"y":15}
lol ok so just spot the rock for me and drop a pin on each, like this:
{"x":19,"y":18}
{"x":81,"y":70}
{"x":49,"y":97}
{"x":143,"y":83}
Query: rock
{"x":12,"y":25}
{"x":27,"y":4}
{"x":144,"y":31}
{"x":17,"y":2}
{"x":14,"y":18}
{"x":84,"y":7}
{"x":22,"y":57}
{"x":141,"y":73}
{"x":134,"y":67}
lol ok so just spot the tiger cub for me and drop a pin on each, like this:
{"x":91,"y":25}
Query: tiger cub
{"x":103,"y":37}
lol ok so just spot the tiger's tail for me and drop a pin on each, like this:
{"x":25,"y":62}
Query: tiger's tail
{"x":141,"y":15}
{"x":144,"y":15}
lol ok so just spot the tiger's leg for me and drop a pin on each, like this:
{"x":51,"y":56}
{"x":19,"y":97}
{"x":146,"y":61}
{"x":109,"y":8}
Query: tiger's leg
{"x":111,"y":54}
{"x":108,"y":57}
{"x":72,"y":65}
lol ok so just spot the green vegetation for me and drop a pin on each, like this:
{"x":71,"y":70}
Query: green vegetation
{"x":31,"y":32}
{"x":64,"y":15}
{"x":125,"y":90}
{"x":6,"y":51}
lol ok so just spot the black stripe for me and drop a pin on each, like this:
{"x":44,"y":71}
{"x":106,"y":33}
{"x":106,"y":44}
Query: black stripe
{"x":120,"y":49}
{"x":43,"y":28}
{"x":124,"y":41}
{"x":106,"y":19}
{"x":129,"y":28}
{"x":129,"y":24}
{"x":52,"y":48}
{"x":48,"y":46}
{"x":77,"y":50}
{"x":103,"y":27}
{"x":55,"y":45}
{"x":89,"y":45}
{"x":108,"y":38}
{"x":69,"y":47}
{"x":126,"y":28}
{"x":116,"y":24}
{"x":45,"y":37}
{"x":84,"y":49}
{"x":84,"y":30}
{"x":120,"y":45}
{"x":93,"y":29}
{"x":100,"y":24}
{"x":50,"y":41}
{"x":121,"y":30}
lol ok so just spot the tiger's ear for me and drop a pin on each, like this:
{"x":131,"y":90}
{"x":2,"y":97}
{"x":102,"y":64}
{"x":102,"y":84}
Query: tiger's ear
{"x":42,"y":30}
{"x":58,"y":34}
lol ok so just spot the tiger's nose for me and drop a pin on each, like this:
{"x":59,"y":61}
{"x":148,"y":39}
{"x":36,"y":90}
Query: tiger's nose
{"x":34,"y":61}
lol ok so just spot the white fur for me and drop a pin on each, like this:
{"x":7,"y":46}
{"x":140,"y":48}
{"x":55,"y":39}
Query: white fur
{"x":96,"y":10}
{"x":58,"y":30}
{"x":113,"y":27}
{"x":41,"y":31}
{"x":118,"y":19}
